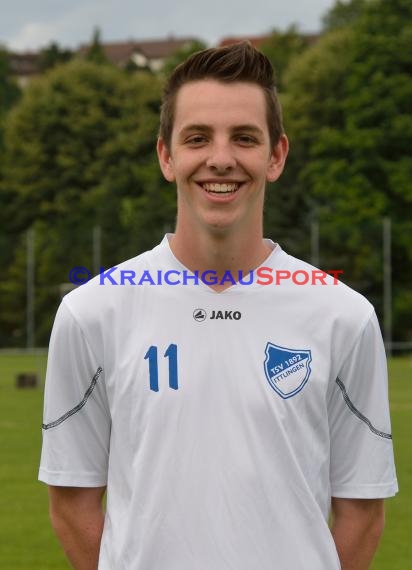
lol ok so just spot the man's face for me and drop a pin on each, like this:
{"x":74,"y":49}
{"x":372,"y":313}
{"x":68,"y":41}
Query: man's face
{"x":220,"y":155}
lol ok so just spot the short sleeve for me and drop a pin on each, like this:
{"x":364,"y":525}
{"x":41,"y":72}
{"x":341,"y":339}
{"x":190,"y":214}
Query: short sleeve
{"x":362,"y":462}
{"x":76,"y":424}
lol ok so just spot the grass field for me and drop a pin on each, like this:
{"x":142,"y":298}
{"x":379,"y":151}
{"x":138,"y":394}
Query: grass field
{"x":26,"y":539}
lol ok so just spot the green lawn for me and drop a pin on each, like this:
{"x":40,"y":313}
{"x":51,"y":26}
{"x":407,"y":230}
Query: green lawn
{"x":395,"y":551}
{"x":27,"y":542}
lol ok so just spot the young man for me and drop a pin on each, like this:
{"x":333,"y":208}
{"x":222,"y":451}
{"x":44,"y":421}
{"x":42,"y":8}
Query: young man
{"x":225,"y":408}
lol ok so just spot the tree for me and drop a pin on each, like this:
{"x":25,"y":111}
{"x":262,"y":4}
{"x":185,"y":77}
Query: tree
{"x":311,"y":101}
{"x":80,"y":152}
{"x":52,"y":56}
{"x":286,"y":214}
{"x":349,"y":105}
{"x":9,"y":90}
{"x":9,"y":96}
{"x":343,"y":14}
{"x":96,"y":53}
{"x":281,"y":47}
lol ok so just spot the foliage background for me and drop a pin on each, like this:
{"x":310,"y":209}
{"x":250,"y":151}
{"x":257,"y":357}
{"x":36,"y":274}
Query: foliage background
{"x":78,"y":151}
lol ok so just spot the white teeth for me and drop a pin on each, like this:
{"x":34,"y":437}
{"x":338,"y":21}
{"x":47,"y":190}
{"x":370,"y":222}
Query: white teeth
{"x":220,"y":187}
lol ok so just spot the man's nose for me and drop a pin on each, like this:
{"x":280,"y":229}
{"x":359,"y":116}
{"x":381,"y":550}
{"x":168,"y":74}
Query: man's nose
{"x":221,"y":157}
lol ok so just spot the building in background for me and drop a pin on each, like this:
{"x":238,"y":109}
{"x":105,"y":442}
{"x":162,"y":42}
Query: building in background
{"x":24,"y":67}
{"x":147,"y":54}
{"x":144,"y":54}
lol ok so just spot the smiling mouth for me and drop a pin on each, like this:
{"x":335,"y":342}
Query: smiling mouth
{"x":216,"y":188}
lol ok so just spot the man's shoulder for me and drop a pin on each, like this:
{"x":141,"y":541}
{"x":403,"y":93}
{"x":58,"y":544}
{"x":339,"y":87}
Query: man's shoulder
{"x":324,"y":288}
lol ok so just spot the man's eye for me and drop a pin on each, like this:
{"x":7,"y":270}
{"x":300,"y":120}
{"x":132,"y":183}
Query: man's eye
{"x":196,"y":140}
{"x":246,"y":139}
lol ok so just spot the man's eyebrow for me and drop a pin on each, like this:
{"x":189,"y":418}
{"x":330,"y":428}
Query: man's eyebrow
{"x":195,"y":128}
{"x":199,"y":127}
{"x":248,"y":128}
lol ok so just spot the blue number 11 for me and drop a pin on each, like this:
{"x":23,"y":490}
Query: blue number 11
{"x":171,"y":354}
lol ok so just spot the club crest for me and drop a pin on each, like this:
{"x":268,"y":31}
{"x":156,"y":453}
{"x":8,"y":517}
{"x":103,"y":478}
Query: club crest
{"x":286,"y":369}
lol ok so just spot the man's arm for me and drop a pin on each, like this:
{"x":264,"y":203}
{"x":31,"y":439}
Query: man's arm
{"x":357,"y":526}
{"x":77,"y":518}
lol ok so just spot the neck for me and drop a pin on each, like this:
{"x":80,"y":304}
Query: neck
{"x":219,"y":251}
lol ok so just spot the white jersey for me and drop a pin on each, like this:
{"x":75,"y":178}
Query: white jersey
{"x":222,"y":423}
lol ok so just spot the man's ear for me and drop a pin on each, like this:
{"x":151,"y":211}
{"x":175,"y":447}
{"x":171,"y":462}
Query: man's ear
{"x":165,"y":160}
{"x":278,"y":159}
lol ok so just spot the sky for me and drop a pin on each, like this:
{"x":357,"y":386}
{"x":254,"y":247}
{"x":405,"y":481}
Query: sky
{"x":28,"y":25}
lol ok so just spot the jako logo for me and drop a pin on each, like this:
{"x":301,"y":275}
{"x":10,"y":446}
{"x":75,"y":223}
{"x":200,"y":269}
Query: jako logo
{"x":226,"y":315}
{"x":200,"y":315}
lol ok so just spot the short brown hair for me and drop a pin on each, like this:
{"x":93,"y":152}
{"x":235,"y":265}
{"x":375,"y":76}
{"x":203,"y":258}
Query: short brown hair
{"x":237,"y":62}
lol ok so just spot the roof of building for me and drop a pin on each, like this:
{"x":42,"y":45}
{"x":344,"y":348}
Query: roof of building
{"x":120,"y":53}
{"x":24,"y":63}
